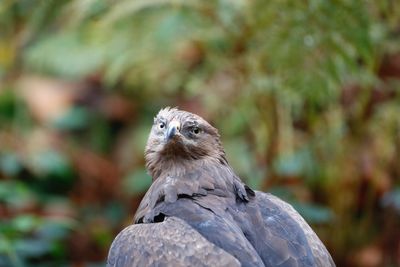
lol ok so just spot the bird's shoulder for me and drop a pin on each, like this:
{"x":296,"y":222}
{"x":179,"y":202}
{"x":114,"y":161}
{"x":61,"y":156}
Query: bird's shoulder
{"x":207,"y":179}
{"x":280,"y":217}
{"x":172,"y":242}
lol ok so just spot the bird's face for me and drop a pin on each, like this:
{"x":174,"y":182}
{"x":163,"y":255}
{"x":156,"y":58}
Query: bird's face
{"x":180,"y":135}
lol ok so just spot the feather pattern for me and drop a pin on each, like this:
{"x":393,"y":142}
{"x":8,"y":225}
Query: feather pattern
{"x":196,"y":191}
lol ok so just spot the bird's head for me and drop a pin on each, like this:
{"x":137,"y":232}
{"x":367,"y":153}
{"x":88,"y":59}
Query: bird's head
{"x":181,"y":137}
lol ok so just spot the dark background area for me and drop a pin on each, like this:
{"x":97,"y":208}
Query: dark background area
{"x":306,"y":95}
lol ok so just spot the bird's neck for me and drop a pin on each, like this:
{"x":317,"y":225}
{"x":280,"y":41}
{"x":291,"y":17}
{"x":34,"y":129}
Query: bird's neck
{"x":162,"y":165}
{"x":201,"y":178}
{"x":178,"y":167}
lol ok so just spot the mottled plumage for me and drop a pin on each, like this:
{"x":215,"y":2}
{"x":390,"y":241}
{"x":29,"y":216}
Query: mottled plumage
{"x":194,"y":189}
{"x":169,"y":243}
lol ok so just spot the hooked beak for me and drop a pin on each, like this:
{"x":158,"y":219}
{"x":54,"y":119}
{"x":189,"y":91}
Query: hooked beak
{"x":173,"y":129}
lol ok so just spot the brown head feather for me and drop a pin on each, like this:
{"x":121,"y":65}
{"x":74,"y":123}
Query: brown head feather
{"x":187,"y":148}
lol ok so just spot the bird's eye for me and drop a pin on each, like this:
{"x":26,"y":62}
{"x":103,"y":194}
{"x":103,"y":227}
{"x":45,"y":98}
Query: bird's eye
{"x":196,"y":130}
{"x":161,"y":125}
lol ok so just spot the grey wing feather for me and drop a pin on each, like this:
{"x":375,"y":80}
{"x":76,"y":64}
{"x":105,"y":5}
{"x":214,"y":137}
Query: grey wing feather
{"x":321,"y":255}
{"x":199,"y":181}
{"x":169,"y":243}
{"x":276,"y":237}
{"x":217,"y":229}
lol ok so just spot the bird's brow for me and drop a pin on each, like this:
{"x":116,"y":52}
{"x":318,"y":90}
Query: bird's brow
{"x":158,"y":119}
{"x":192,"y":123}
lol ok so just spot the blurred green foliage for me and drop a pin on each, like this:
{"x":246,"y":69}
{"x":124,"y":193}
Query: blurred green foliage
{"x":306,"y":95}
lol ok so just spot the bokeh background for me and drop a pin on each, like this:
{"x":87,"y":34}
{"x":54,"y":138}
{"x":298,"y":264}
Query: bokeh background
{"x":306,"y":95}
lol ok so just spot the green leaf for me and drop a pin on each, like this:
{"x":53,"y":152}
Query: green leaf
{"x":10,"y":163}
{"x":50,"y":162}
{"x":15,"y":194}
{"x":68,"y":54}
{"x":29,"y":247}
{"x":392,"y":199}
{"x":137,"y":182}
{"x":75,"y":119}
{"x":314,"y":214}
{"x":8,"y":106}
{"x":53,"y":230}
{"x":299,"y":163}
{"x":25,"y":223}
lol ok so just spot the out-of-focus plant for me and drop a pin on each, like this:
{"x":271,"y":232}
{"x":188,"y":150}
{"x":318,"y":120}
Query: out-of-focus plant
{"x":305,"y":93}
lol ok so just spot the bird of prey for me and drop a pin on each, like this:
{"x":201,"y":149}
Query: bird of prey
{"x":198,"y":212}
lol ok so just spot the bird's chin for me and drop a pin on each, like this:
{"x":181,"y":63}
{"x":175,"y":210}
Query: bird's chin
{"x":174,"y":146}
